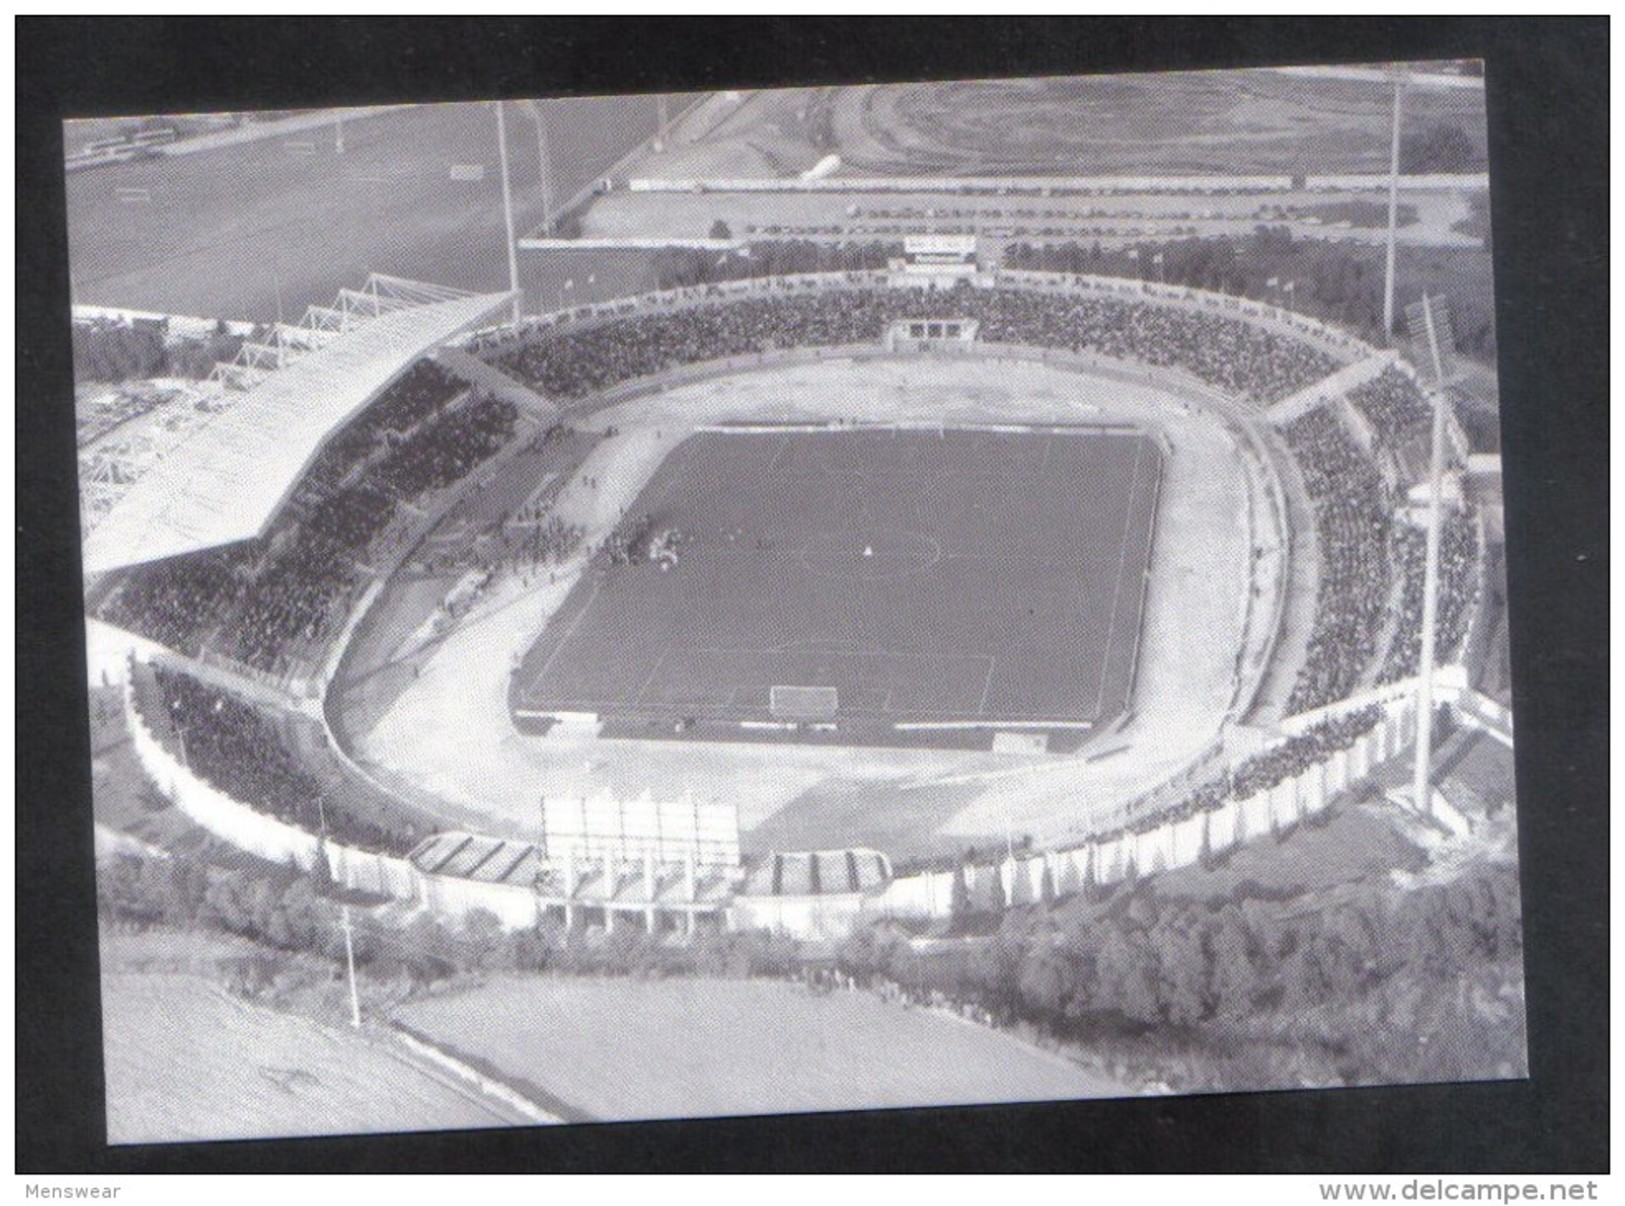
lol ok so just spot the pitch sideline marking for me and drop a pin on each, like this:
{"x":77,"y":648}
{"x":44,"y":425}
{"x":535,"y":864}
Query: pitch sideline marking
{"x":1117,"y":584}
{"x":565,"y":640}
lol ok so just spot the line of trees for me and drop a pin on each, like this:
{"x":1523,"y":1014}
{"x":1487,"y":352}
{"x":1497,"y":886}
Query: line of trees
{"x":678,"y":267}
{"x":111,"y":350}
{"x":1360,"y":984}
{"x":1139,"y":961}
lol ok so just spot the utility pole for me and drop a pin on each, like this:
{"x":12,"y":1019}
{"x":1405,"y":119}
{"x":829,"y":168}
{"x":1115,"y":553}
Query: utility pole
{"x":507,"y":211}
{"x":1393,"y":213}
{"x":344,"y":922}
{"x":349,"y":960}
{"x":1422,"y":795}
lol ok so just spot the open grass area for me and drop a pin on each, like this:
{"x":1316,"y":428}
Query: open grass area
{"x":248,"y":231}
{"x":185,"y":1061}
{"x":630,"y":1049}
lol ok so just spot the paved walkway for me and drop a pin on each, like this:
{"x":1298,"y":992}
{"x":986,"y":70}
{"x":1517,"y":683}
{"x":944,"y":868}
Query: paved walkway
{"x":1302,"y":593}
{"x":478,"y":372}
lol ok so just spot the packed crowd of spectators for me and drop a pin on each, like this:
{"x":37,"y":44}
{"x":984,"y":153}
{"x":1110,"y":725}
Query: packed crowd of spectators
{"x":1263,"y":771}
{"x":1246,"y":779}
{"x":272,"y":599}
{"x":1393,"y":405}
{"x":1227,"y":353}
{"x":1352,"y":521}
{"x":533,"y":541}
{"x":1458,"y":580}
{"x":447,"y":449}
{"x":293,"y":599}
{"x":240,"y":751}
{"x":176,"y":602}
{"x":421,"y":393}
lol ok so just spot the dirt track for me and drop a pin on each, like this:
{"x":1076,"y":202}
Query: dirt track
{"x":450,"y":731}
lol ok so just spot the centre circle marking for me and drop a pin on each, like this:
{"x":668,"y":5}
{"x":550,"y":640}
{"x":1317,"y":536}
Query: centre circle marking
{"x":871,"y":554}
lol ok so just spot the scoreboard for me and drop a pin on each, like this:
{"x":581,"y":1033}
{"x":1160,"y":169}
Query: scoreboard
{"x":937,"y":255}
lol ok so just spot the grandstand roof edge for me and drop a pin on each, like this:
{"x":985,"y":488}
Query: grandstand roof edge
{"x":228,"y":479}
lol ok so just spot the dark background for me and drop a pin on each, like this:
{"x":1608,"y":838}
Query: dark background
{"x":1547,"y":94}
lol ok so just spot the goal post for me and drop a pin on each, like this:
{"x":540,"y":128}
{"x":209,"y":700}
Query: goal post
{"x":803,"y":704}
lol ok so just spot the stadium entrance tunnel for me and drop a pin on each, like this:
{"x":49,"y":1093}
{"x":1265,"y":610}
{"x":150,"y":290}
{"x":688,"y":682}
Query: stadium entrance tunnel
{"x":871,"y":554}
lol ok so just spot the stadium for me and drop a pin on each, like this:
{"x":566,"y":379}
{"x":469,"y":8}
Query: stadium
{"x":786,"y":602}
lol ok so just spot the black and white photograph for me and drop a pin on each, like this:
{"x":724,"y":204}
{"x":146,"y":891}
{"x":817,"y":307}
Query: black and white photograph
{"x":796,"y":599}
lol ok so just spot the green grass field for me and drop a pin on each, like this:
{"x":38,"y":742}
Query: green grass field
{"x":633,"y":1049}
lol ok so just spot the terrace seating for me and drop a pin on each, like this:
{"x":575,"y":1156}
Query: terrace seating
{"x":1286,"y":761}
{"x":174,"y":602}
{"x":1232,"y":355}
{"x":1393,"y":405}
{"x":1458,"y":563}
{"x":422,"y":392}
{"x":1352,"y":519}
{"x":272,"y":597}
{"x":240,"y":752}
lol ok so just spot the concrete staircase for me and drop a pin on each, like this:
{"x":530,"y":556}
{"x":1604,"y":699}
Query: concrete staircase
{"x":478,"y":373}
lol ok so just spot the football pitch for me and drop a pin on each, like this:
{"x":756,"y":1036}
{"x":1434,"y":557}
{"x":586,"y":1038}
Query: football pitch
{"x":867,"y":583}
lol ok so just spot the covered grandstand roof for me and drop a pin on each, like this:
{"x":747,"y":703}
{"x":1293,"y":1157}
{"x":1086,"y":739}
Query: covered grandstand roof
{"x":227,"y":480}
{"x":819,"y":873}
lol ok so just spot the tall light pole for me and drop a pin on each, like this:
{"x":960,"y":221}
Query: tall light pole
{"x":1393,"y":213}
{"x":1426,"y":323}
{"x":534,"y":108}
{"x":507,"y":211}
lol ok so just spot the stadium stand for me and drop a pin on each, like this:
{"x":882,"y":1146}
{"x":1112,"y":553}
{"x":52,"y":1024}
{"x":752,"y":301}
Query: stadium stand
{"x":1393,"y":405}
{"x":240,"y":752}
{"x":1285,"y":761}
{"x":1352,"y":520}
{"x":228,"y":481}
{"x":1232,"y":355}
{"x":271,"y":602}
{"x":1289,"y":759}
{"x":425,"y":391}
{"x":1458,"y":577}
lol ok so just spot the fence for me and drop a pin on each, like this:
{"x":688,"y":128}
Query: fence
{"x":249,"y":829}
{"x":1183,"y":842}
